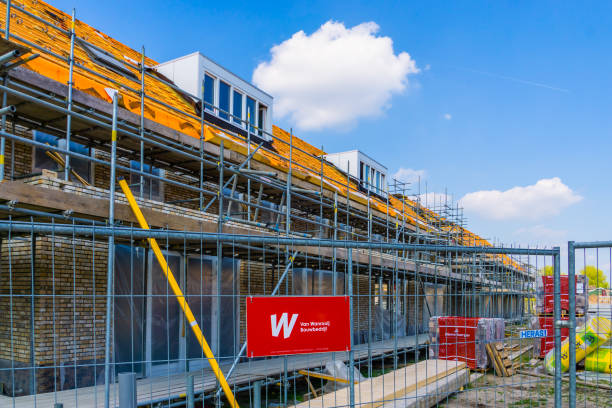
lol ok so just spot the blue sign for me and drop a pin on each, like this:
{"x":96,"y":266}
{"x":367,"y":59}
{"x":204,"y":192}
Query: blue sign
{"x":534,"y":334}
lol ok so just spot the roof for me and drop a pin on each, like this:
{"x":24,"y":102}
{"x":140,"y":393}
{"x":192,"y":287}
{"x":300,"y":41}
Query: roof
{"x":176,"y":112}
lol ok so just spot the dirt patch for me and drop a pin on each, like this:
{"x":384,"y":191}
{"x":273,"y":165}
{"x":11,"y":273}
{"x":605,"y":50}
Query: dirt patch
{"x":522,"y":391}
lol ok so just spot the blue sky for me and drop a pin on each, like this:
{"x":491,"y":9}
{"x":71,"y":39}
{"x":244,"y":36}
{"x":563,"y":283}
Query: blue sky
{"x":508,"y":93}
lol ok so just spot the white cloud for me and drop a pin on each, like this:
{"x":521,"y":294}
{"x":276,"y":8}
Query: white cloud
{"x":544,"y":198}
{"x":408,"y":175}
{"x":334,"y":76}
{"x":448,"y":116}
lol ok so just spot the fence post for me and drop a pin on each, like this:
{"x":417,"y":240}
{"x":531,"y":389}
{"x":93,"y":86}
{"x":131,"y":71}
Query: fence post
{"x":127,"y":390}
{"x":571,"y":277}
{"x":557,"y":317}
{"x":257,"y":394}
{"x":190,"y":391}
{"x":351,"y":355}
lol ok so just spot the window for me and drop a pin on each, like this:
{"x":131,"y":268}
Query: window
{"x":237,"y":108}
{"x":261,"y":118}
{"x":367,"y":173}
{"x":42,"y":160}
{"x":382,"y":181}
{"x":152,"y":187}
{"x":209,"y":92}
{"x":250,"y":104}
{"x":361,"y":175}
{"x":378,"y":180}
{"x":224,"y":100}
{"x":107,"y":60}
{"x":372,"y":175}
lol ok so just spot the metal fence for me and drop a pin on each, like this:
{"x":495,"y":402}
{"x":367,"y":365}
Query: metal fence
{"x":56,"y":301}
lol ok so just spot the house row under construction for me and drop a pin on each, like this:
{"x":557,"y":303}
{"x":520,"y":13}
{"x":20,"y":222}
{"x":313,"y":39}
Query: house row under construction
{"x":238,"y":206}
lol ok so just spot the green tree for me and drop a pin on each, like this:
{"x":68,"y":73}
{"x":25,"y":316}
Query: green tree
{"x":596,"y":276}
{"x":546,"y":271}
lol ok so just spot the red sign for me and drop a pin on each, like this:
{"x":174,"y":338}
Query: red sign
{"x":279,"y":325}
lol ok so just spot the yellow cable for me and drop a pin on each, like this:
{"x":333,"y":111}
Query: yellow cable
{"x":179,"y":295}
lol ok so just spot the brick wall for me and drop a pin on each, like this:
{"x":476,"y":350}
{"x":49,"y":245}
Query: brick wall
{"x":69,"y":312}
{"x":22,"y":154}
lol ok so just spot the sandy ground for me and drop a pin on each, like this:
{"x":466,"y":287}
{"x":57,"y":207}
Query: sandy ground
{"x":523,"y":391}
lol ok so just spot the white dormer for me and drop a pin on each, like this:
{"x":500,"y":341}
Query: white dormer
{"x":371,"y":174}
{"x":226,"y":96}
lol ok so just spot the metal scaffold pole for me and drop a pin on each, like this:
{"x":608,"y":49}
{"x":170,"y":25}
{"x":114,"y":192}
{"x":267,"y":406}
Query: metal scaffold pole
{"x":142,"y":118}
{"x":108,"y":367}
{"x":69,"y":100}
{"x":4,"y":83}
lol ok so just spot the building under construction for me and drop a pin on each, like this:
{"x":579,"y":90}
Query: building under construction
{"x":238,"y":207}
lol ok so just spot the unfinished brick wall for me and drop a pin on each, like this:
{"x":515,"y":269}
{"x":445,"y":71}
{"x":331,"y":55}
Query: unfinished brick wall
{"x":69,"y":312}
{"x":22,"y":154}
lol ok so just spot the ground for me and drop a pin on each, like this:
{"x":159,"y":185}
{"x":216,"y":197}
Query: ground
{"x":523,"y":391}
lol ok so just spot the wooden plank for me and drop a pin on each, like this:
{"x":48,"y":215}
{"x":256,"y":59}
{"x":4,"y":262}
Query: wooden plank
{"x":433,"y":393}
{"x":490,"y":352}
{"x":324,"y":376}
{"x":375,"y":392}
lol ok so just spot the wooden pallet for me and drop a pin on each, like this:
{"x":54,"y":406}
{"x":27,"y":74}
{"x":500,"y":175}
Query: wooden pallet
{"x":500,"y":357}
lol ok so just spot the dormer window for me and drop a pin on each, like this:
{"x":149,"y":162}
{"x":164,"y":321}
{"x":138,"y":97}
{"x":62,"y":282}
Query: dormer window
{"x":224,"y":100}
{"x":228,"y":98}
{"x":237,"y":109}
{"x":250,"y":105}
{"x":209,"y":92}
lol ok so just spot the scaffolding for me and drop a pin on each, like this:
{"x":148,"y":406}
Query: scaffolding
{"x":237,"y":211}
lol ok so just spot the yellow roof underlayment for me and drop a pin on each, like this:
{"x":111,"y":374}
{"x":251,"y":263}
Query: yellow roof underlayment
{"x":306,"y":167}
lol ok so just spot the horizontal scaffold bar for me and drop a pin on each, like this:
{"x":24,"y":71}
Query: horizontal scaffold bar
{"x":86,"y":230}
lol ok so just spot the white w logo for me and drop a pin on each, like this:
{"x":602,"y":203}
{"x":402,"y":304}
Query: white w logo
{"x":284,"y":323}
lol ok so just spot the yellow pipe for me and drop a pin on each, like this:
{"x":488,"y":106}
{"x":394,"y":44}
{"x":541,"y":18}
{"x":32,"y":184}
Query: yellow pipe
{"x":179,"y":295}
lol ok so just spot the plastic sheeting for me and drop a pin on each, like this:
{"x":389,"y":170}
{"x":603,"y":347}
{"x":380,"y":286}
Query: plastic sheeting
{"x":388,"y":324}
{"x":129,"y":308}
{"x":337,"y":369}
{"x":308,"y":282}
{"x":148,"y":317}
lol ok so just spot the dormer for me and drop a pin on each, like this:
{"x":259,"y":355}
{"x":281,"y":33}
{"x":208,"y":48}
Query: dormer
{"x":371,"y":174}
{"x":230,"y":101}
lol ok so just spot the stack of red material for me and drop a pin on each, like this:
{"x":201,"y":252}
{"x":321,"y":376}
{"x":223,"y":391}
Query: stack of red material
{"x":545,"y":295}
{"x":463,"y":338}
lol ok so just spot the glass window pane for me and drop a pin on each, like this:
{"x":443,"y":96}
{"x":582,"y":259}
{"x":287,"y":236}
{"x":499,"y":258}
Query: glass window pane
{"x":209,"y":92}
{"x":261,"y":119}
{"x":237,"y":112}
{"x":250,"y":104}
{"x":224,"y":100}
